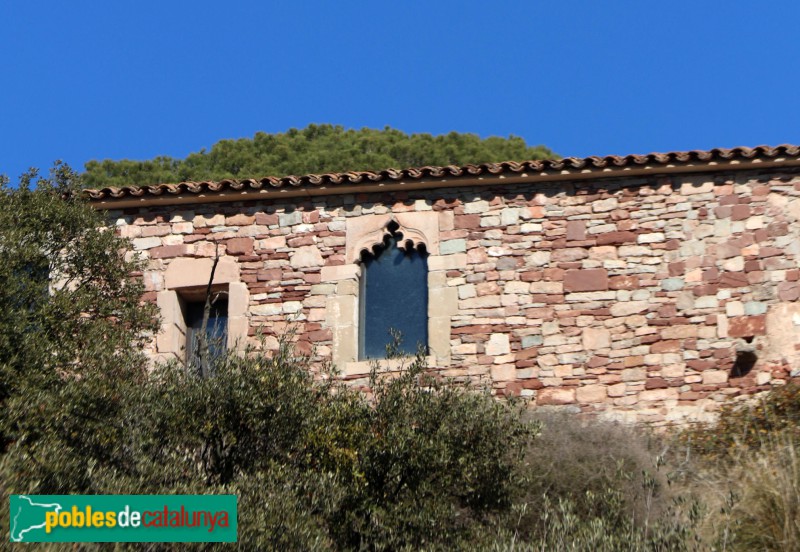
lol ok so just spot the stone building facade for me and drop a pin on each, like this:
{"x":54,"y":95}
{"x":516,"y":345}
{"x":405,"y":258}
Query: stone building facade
{"x":643,"y":288}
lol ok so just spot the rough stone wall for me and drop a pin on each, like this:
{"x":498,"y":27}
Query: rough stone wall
{"x":631,"y":297}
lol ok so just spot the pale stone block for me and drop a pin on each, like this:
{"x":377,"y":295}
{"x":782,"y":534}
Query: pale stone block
{"x":474,"y":207}
{"x":290,"y":219}
{"x":447,"y":262}
{"x":593,"y":339}
{"x":361,"y":368}
{"x":509,"y":216}
{"x":562,"y":371}
{"x":442,"y":302}
{"x":706,"y":302}
{"x":322,"y":289}
{"x":438,"y":279}
{"x":735,"y":264}
{"x":503,"y":372}
{"x":498,"y":344}
{"x":292,"y":307}
{"x":711,"y":377}
{"x":617,"y":390}
{"x":202,"y":221}
{"x":591,"y":393}
{"x":679,"y":332}
{"x":188,"y":272}
{"x":345,"y":345}
{"x":183,"y":228}
{"x":634,"y":374}
{"x":466,"y":291}
{"x":172,"y":239}
{"x":277,"y":242}
{"x":734,"y":308}
{"x":654,"y":237}
{"x":347,"y":287}
{"x":670,"y":393}
{"x":446,"y":221}
{"x":237,"y":332}
{"x":169,"y":306}
{"x":141,"y":244}
{"x":465,"y":349}
{"x":605,"y":205}
{"x":555,"y":288}
{"x":689,"y":188}
{"x":238,"y":299}
{"x":531,"y":227}
{"x":340,"y":272}
{"x":538,"y":258}
{"x":517,"y":287}
{"x":448,"y":247}
{"x":171,"y":339}
{"x":342,"y":311}
{"x":629,"y":308}
{"x":673,"y":370}
{"x":130,"y":231}
{"x":267,"y":309}
{"x":307,"y":256}
{"x":484,"y":302}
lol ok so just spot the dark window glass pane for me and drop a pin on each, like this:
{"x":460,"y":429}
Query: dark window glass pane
{"x":216,"y":329}
{"x":394,"y":295}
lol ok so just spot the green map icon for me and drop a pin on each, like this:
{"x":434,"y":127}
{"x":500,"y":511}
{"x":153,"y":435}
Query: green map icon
{"x":28,"y":517}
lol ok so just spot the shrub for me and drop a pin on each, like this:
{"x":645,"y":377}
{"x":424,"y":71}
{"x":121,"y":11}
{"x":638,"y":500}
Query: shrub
{"x":748,"y":424}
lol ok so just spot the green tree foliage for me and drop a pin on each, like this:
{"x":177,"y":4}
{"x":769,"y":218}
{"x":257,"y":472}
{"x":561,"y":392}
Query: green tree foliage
{"x":71,"y":310}
{"x":315,"y":149}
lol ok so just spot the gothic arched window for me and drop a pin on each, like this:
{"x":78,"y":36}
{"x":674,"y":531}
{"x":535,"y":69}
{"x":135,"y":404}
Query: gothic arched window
{"x":393,"y":298}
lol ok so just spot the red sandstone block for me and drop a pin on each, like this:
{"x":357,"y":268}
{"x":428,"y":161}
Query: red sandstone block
{"x":745,"y":326}
{"x":526,"y":354}
{"x":751,"y":266}
{"x":531,"y":276}
{"x":616,"y":238}
{"x":240,"y":246}
{"x":555,"y":396}
{"x":467,"y":221}
{"x":553,"y":274}
{"x":723,"y":211}
{"x":733,"y":279}
{"x":576,"y":230}
{"x":788,"y":291}
{"x":593,"y":279}
{"x":777,"y":229}
{"x":168,"y":251}
{"x":731,"y":199}
{"x":271,"y":274}
{"x":264,"y":219}
{"x":656,"y":383}
{"x":740,"y":212}
{"x":766,"y":252}
{"x":670,"y":346}
{"x":532,"y":384}
{"x":677,"y":269}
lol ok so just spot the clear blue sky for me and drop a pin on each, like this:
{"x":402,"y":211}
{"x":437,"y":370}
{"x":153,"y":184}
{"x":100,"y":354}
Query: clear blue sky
{"x":90,"y":80}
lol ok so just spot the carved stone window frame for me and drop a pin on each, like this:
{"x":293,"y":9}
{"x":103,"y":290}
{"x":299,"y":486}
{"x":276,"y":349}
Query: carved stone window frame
{"x":187,"y":278}
{"x":342,"y":309}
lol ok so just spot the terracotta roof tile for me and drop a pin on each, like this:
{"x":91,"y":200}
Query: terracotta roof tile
{"x":509,"y":168}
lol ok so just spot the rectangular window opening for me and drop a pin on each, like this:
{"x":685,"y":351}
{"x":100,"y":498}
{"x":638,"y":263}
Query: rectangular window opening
{"x":216,"y":329}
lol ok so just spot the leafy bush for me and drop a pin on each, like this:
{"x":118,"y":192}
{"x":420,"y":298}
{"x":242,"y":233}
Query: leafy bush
{"x":748,"y":424}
